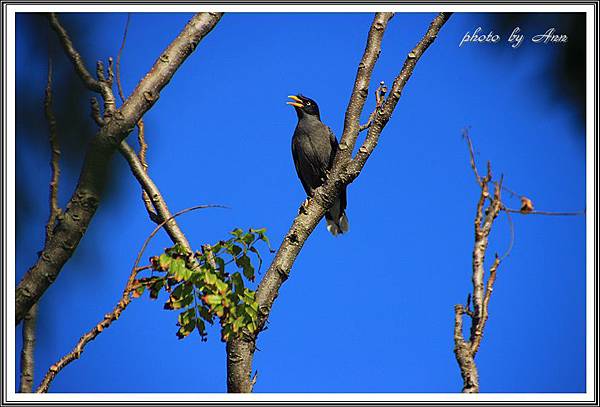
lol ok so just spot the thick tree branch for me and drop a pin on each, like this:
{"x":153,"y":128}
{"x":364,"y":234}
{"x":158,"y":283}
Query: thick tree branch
{"x":86,"y":197}
{"x":27,"y":353}
{"x":240,"y":350}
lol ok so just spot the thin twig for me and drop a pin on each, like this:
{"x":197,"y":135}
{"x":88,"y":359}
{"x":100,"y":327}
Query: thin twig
{"x":472,"y":155}
{"x":55,"y":210}
{"x":118,"y":66}
{"x":512,"y":236}
{"x":379,"y":101}
{"x":544,"y":213}
{"x":140,"y":125}
{"x":116,"y":312}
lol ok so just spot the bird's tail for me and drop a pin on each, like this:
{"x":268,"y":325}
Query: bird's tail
{"x":337,"y":221}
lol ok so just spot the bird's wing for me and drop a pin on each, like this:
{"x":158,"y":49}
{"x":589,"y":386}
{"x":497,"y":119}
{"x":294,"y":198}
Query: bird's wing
{"x":334,"y":146}
{"x":296,"y":155}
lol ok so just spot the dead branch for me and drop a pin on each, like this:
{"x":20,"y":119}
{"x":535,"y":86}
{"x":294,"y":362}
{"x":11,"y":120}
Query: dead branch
{"x":465,"y":351}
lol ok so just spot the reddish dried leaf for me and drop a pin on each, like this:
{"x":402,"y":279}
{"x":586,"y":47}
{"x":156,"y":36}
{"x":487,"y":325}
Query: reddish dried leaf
{"x":526,"y":204}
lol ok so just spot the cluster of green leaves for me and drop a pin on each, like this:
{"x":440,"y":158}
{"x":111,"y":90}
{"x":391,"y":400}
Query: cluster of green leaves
{"x":202,"y":287}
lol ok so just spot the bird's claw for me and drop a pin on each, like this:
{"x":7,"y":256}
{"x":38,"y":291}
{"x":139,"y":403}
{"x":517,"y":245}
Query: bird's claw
{"x":303,"y":207}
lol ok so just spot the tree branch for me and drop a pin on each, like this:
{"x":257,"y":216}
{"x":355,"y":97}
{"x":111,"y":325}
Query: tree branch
{"x":27,"y":353}
{"x":240,"y":350}
{"x":141,"y":129}
{"x":484,"y":219}
{"x":29,"y":334}
{"x":117,"y":310}
{"x":149,"y":188}
{"x":464,"y":356}
{"x":86,"y":197}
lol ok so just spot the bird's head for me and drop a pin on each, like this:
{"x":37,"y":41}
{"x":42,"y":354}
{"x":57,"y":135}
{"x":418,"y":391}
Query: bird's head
{"x":304,"y":106}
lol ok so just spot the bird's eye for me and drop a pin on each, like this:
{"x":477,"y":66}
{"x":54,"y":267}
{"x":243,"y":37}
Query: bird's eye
{"x":307,"y":103}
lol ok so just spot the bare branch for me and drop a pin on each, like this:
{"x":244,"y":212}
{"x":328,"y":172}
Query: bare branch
{"x":472,"y":155}
{"x":464,"y":356}
{"x":545,"y":213}
{"x":119,"y":87}
{"x":55,"y":210}
{"x":86,"y":197}
{"x":27,"y":353}
{"x":484,"y":219}
{"x":115,"y":313}
{"x":152,"y":191}
{"x":512,"y":237}
{"x":72,"y":53}
{"x":384,"y":114}
{"x":240,"y":350}
{"x":379,"y":100}
{"x":140,"y":125}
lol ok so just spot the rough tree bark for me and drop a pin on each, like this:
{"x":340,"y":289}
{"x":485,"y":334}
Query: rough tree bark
{"x":240,"y":350}
{"x":118,"y":124}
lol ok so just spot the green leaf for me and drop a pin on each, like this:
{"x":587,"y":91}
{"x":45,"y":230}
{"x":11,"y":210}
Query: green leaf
{"x":222,"y":287}
{"x":186,"y":317}
{"x":235,"y":250}
{"x":206,"y":314}
{"x":248,"y":238}
{"x":210,"y":278}
{"x":164,"y":261}
{"x":178,"y":249}
{"x":237,"y":324}
{"x":238,"y":283}
{"x":226,"y":333}
{"x":156,"y":287}
{"x":212,"y":299}
{"x":185,"y":330}
{"x":220,"y":264}
{"x":251,"y":312}
{"x":237,"y":233}
{"x":246,"y":265}
{"x":255,"y":251}
{"x":262,"y":236}
{"x":201,"y":327}
{"x":179,"y":271}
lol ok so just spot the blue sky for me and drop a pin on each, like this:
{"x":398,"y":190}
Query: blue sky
{"x":371,"y":311}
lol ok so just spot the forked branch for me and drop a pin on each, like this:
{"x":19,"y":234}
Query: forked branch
{"x":240,"y":350}
{"x":116,"y":127}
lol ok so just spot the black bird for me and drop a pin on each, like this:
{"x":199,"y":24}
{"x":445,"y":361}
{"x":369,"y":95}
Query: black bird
{"x":314,"y":147}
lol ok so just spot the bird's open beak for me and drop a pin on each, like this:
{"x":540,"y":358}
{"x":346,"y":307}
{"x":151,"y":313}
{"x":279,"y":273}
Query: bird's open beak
{"x":297,"y":103}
